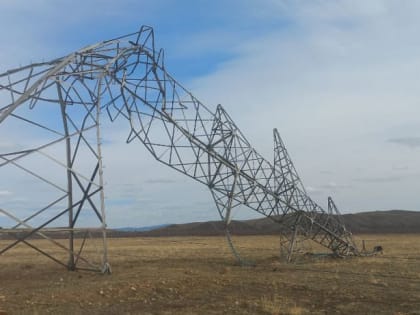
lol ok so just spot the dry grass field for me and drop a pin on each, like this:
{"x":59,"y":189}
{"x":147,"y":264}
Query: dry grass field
{"x":197,"y":275}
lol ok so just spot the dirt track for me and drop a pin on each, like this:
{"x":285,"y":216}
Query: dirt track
{"x":197,"y":275}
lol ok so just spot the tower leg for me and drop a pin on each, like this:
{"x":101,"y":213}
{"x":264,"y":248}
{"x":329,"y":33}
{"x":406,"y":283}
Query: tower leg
{"x":71,"y":261}
{"x":224,"y":207}
{"x":292,"y":245}
{"x":290,"y":240}
{"x":106,"y":268}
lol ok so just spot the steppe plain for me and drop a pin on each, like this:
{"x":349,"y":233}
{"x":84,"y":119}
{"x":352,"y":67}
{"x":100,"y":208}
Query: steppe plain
{"x":198,"y":275}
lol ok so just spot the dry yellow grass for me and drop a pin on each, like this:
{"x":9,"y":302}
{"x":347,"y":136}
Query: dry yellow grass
{"x":197,"y":275}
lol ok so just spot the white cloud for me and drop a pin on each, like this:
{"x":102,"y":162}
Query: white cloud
{"x":313,"y":190}
{"x":411,"y":142}
{"x":336,"y":83}
{"x":5,"y":193}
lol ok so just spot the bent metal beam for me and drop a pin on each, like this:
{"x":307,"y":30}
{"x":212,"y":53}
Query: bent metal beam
{"x":125,"y":79}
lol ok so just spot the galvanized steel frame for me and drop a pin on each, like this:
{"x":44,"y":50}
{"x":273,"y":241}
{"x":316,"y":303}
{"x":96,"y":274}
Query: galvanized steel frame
{"x":125,"y":78}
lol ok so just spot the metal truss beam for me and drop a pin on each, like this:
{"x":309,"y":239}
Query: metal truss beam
{"x":125,"y":79}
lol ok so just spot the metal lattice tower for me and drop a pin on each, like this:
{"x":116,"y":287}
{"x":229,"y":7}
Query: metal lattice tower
{"x":64,"y":100}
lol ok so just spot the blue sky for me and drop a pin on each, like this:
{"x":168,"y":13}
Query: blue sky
{"x":195,"y":34}
{"x":339,"y":79}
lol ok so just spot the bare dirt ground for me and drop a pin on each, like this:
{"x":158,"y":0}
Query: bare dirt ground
{"x":197,"y":275}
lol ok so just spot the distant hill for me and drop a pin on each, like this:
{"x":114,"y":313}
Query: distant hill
{"x":393,"y":221}
{"x":141,"y":229}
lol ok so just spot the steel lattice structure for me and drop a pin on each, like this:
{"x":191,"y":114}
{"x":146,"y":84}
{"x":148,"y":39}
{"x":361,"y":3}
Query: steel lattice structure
{"x":125,"y":79}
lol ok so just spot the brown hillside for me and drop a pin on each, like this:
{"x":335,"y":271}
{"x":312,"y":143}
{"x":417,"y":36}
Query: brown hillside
{"x":393,"y":221}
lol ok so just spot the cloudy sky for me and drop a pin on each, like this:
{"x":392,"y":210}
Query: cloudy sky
{"x":339,"y":79}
